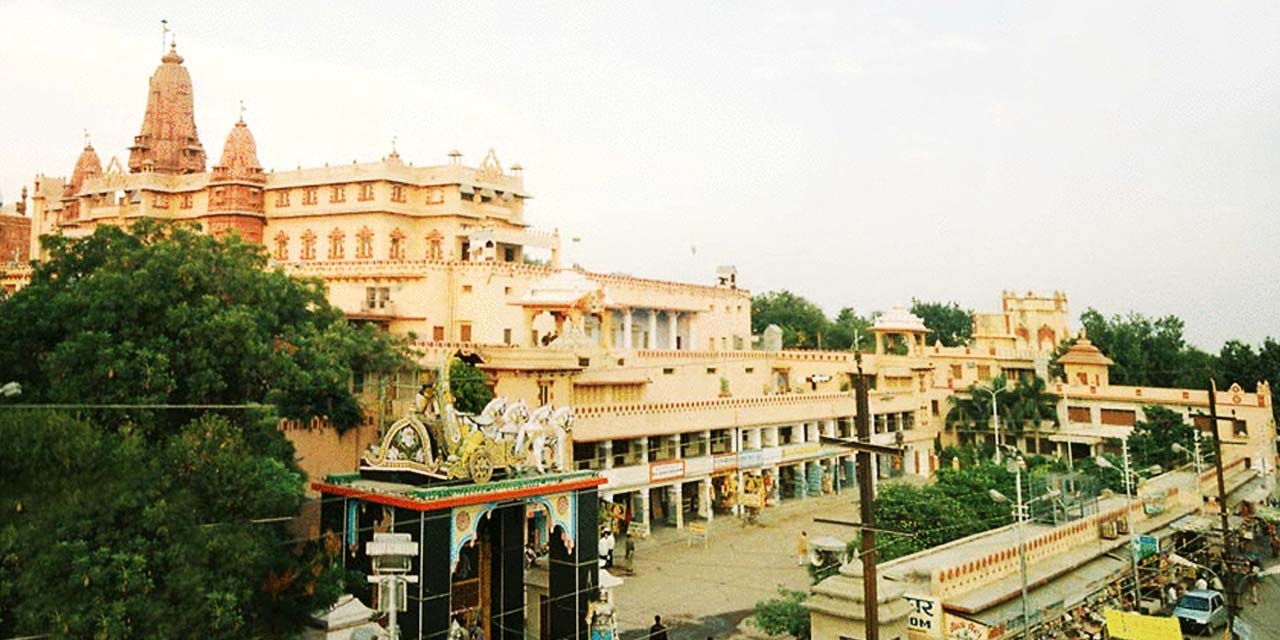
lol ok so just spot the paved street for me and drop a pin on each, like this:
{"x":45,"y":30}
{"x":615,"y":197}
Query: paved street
{"x":704,"y":593}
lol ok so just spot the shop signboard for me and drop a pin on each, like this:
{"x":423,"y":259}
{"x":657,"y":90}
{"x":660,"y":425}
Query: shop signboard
{"x":1146,"y":546}
{"x":724,"y":462}
{"x":1125,"y":625}
{"x":795,"y":451}
{"x":750,"y":459}
{"x":666,"y":470}
{"x":772,"y":456}
{"x":924,"y":619}
{"x":1155,"y":503}
{"x":958,"y":628}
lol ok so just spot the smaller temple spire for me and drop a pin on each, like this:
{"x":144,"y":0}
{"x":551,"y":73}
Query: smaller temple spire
{"x":242,"y":111}
{"x":164,"y":34}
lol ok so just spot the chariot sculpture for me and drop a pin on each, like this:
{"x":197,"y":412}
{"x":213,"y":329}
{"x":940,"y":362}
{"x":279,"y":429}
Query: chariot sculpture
{"x":438,"y":441}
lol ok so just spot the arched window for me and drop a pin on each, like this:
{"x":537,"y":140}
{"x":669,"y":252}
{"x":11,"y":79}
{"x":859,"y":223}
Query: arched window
{"x":337,"y":244}
{"x":308,"y":245}
{"x":282,"y":246}
{"x":397,"y":245}
{"x":364,"y":244}
{"x":434,"y":250}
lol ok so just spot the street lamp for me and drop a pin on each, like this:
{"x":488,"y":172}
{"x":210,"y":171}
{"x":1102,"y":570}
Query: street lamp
{"x":1128,"y":515}
{"x":392,"y":557}
{"x":995,"y":414}
{"x":1020,"y":513}
{"x":1177,"y":448}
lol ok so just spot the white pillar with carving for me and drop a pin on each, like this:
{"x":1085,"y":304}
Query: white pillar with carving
{"x":652,"y":338}
{"x":626,"y":329}
{"x":673,"y":318}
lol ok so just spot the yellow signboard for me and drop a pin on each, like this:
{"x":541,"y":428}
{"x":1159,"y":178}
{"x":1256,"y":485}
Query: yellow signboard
{"x":1124,"y":625}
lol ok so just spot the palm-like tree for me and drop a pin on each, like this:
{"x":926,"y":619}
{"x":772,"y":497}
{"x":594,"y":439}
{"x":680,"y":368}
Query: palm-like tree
{"x":1031,"y":404}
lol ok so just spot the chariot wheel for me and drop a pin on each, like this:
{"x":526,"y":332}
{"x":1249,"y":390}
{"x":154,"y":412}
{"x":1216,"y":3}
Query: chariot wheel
{"x":480,"y":466}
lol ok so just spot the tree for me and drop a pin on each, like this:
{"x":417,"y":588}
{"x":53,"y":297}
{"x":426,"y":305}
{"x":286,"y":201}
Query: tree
{"x":470,"y":386}
{"x":801,"y":321}
{"x":1146,"y":352}
{"x":165,"y":315}
{"x":165,"y":522}
{"x":848,"y":328}
{"x":947,"y":322}
{"x":785,"y":614}
{"x":1151,"y":441}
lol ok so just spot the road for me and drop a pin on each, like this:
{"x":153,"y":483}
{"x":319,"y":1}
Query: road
{"x":705,"y":592}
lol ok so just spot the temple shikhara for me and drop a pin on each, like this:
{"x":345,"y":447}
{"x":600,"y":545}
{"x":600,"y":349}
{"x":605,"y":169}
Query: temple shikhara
{"x":680,"y":413}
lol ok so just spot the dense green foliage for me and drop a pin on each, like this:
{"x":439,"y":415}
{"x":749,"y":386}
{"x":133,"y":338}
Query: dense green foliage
{"x":163,"y":314}
{"x":805,"y":326}
{"x":1146,"y":351}
{"x":470,"y":386}
{"x":954,"y":506}
{"x":784,"y":615}
{"x":946,"y":321}
{"x":159,"y":522}
{"x":1153,"y":352}
{"x":1152,"y":440}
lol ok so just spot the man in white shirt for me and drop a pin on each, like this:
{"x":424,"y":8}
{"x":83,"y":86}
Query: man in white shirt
{"x":606,"y":548}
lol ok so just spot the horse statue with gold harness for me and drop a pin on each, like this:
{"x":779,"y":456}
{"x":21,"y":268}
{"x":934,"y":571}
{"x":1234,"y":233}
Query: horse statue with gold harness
{"x":438,"y":441}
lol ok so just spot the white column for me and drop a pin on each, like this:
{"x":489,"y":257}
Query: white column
{"x":673,"y":319}
{"x":652,"y":338}
{"x":647,"y":518}
{"x":606,"y":451}
{"x":626,"y":329}
{"x":677,"y":503}
{"x":705,"y":493}
{"x":693,"y":337}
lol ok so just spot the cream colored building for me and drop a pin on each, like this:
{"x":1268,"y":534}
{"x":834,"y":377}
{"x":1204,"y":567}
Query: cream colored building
{"x":673,"y":404}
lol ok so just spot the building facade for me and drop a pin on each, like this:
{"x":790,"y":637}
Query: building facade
{"x":675,"y":408}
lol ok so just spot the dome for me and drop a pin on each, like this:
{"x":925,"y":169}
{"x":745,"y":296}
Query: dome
{"x":87,"y":166}
{"x":1083,"y":352}
{"x":239,"y":156}
{"x":899,"y":319}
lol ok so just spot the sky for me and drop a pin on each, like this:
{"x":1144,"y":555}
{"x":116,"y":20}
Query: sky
{"x":859,"y":154}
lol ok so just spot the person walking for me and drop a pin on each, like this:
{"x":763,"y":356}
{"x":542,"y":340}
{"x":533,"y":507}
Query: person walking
{"x":802,"y":549}
{"x":606,"y":549}
{"x":658,"y":631}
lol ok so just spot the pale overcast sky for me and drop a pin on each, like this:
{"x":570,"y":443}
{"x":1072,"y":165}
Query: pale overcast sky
{"x":858,"y":154}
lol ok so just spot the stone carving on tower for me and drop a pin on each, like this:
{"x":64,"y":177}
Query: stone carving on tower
{"x":236,"y":196}
{"x":87,"y":166}
{"x":168,"y":142}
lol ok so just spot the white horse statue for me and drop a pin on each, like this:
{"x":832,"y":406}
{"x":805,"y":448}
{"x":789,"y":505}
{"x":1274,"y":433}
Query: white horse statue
{"x":542,"y":438}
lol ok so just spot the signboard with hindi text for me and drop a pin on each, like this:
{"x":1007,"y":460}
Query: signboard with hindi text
{"x":924,"y":618}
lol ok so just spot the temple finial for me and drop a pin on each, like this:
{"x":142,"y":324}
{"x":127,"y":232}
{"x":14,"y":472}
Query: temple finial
{"x":242,"y":111}
{"x":164,"y":35}
{"x":86,"y":139}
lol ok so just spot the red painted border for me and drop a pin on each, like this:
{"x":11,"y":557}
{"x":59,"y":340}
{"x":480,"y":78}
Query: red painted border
{"x":434,"y":505}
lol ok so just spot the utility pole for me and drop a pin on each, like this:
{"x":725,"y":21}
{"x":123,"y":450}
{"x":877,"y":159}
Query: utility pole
{"x":1228,"y":581}
{"x":866,"y":497}
{"x":864,"y":448}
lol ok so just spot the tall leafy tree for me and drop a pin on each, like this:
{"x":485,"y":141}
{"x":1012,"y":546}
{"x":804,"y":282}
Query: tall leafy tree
{"x":850,"y":331}
{"x":163,"y":314}
{"x":1146,"y":351}
{"x":802,"y":322}
{"x":1152,"y":440}
{"x":470,"y":386}
{"x":947,"y":321}
{"x":165,"y":522}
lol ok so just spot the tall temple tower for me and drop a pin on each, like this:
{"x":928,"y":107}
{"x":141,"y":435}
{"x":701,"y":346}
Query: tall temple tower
{"x":235,"y":188}
{"x":168,"y":142}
